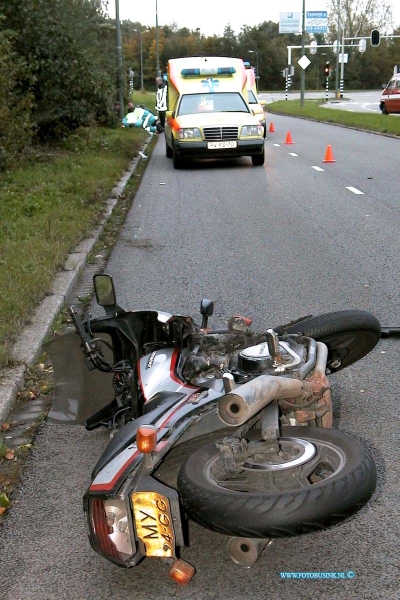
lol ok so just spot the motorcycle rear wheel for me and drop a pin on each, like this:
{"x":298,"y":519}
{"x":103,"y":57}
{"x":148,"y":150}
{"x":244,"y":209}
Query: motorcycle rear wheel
{"x":324,"y":490}
{"x":349,"y":335}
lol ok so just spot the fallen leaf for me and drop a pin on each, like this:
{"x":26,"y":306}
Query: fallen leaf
{"x":4,"y":501}
{"x":5,"y":426}
{"x":10,"y":455}
{"x":2,"y":510}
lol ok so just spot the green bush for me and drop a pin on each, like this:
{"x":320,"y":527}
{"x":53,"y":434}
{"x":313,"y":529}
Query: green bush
{"x":71,"y":60}
{"x":15,"y":103}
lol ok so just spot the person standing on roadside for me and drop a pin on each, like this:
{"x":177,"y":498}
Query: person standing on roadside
{"x":161,"y":100}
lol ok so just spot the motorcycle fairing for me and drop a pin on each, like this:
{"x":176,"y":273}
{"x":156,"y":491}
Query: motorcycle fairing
{"x":180,"y":415}
{"x":78,"y":392}
{"x":157,"y":372}
{"x":124,"y":436}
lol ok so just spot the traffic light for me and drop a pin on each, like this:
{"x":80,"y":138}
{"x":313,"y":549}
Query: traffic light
{"x":375,"y":37}
{"x":326,"y":69}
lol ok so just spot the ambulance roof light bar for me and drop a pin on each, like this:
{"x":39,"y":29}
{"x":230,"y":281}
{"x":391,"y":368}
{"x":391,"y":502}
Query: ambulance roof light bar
{"x":204,"y":71}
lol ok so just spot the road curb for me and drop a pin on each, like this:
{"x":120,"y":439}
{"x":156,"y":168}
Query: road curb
{"x":27,"y":348}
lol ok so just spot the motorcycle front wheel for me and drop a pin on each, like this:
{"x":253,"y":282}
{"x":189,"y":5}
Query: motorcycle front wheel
{"x":321,"y":477}
{"x":348,"y":334}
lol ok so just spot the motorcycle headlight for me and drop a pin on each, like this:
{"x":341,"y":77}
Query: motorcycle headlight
{"x":256,"y":130}
{"x":189,"y":133}
{"x":110,"y":530}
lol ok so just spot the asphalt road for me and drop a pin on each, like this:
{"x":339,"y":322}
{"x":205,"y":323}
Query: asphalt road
{"x":367,"y":101}
{"x":273,"y":243}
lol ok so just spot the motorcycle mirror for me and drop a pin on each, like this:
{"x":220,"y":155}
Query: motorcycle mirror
{"x":206,"y":309}
{"x":104,"y":290}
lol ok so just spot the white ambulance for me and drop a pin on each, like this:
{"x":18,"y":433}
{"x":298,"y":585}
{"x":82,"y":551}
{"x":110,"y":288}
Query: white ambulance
{"x":208,"y":113}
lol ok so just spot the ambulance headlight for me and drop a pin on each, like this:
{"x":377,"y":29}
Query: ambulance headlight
{"x":189,"y":133}
{"x":252,"y":130}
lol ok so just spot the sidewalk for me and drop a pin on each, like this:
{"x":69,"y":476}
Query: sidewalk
{"x":27,"y":348}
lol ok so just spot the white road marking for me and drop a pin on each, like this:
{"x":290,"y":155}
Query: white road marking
{"x":276,"y":144}
{"x":293,"y":154}
{"x":354,"y":190}
{"x":317,"y":168}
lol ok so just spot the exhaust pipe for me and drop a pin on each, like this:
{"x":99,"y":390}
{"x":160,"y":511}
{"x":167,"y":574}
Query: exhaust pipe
{"x":245,"y":551}
{"x":239,"y":405}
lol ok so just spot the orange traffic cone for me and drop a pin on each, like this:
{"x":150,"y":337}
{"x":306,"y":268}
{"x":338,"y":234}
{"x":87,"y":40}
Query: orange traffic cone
{"x":271,"y":128}
{"x":289,"y":138}
{"x":329,"y":155}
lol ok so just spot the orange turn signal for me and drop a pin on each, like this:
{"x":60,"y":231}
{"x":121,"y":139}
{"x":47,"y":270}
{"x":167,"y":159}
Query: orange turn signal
{"x":146,"y":438}
{"x":181,"y":572}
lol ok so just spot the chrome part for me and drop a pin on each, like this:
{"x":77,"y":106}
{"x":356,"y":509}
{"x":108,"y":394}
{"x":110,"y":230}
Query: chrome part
{"x":322,"y":357}
{"x":163,"y":317}
{"x":266,"y":462}
{"x":246,"y":551}
{"x":229,"y":382}
{"x":259,"y":357}
{"x":311,"y":357}
{"x":270,"y":425}
{"x":236,"y":407}
{"x":273,"y":346}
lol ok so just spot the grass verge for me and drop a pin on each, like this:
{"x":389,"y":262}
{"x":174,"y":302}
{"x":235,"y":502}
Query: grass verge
{"x":314,"y":109}
{"x":47,"y":207}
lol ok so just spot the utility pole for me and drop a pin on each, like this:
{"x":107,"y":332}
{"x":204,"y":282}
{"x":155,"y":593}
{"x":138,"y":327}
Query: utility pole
{"x":303,"y":43}
{"x":119,"y":62}
{"x":337,"y":94}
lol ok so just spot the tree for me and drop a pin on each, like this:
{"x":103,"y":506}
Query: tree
{"x":359,"y":17}
{"x":15,"y":103}
{"x":62,"y":41}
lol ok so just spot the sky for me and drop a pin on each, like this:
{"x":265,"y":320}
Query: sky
{"x":211,"y":16}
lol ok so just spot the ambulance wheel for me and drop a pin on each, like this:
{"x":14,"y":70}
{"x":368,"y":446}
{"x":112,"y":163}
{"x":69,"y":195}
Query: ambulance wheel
{"x":176,"y":159}
{"x":258,"y":159}
{"x":168,"y":151}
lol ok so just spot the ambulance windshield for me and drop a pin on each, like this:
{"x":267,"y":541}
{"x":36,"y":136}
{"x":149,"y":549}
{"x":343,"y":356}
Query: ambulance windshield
{"x":218,"y":102}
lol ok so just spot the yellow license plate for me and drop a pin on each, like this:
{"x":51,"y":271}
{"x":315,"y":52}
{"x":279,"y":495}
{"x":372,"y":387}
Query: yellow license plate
{"x":153,"y":522}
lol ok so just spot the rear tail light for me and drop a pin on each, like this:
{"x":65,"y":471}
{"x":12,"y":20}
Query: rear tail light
{"x":110,"y":528}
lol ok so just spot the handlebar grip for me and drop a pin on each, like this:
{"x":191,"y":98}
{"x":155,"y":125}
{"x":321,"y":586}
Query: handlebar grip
{"x":83,"y":334}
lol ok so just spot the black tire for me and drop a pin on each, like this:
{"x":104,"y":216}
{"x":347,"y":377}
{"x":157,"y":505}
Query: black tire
{"x":168,"y":151}
{"x":349,"y":335}
{"x":286,"y":512}
{"x":384,"y":109}
{"x":258,"y":159}
{"x":176,"y":159}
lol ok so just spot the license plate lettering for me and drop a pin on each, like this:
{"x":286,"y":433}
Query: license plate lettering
{"x":154,"y":523}
{"x":219,"y":145}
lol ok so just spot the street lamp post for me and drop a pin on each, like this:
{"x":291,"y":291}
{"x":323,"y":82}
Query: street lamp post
{"x":141,"y":60}
{"x":256,"y":53}
{"x":141,"y":54}
{"x":157,"y":46}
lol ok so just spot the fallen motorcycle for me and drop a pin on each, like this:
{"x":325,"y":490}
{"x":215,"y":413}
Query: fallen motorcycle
{"x":228,"y":427}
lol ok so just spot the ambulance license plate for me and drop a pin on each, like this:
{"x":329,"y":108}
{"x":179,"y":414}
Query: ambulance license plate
{"x":219,"y":145}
